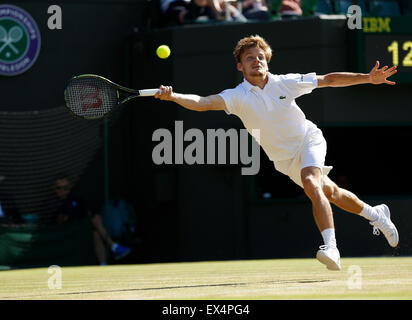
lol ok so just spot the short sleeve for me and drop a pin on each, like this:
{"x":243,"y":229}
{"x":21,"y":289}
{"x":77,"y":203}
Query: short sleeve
{"x":231,"y":96}
{"x":299,"y":84}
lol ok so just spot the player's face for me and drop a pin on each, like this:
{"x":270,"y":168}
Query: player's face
{"x":253,"y":63}
{"x":62,"y":188}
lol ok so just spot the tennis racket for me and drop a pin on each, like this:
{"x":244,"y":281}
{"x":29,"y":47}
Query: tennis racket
{"x":90,"y":96}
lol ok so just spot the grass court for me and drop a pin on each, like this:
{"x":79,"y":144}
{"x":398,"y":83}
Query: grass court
{"x":360,"y":278}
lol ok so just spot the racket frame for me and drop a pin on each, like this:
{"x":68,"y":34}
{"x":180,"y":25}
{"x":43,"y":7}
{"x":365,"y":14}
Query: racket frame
{"x":133,"y":93}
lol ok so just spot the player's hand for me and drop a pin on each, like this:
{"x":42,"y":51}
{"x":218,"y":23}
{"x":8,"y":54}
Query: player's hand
{"x":378,"y":76}
{"x":165,"y":93}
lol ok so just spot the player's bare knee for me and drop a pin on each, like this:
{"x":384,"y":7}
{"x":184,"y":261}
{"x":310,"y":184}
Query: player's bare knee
{"x":311,"y":186}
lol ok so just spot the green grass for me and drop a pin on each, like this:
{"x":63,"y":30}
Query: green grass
{"x":381,"y":278}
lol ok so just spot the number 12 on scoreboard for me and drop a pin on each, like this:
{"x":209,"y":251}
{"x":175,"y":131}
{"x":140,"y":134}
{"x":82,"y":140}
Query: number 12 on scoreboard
{"x":394,"y":49}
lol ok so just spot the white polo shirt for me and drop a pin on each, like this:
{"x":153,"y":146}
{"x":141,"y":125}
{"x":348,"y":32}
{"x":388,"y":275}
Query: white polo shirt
{"x":274,"y":111}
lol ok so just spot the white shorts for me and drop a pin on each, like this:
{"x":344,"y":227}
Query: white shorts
{"x":311,"y":154}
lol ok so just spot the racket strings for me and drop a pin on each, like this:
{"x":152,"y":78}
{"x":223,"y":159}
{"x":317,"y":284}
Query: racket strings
{"x":90,"y":97}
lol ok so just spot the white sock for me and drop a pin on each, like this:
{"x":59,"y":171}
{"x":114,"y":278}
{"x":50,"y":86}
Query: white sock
{"x":369,"y":212}
{"x":328,"y":236}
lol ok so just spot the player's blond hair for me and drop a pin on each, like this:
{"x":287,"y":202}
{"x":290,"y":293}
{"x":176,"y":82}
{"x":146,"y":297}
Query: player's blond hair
{"x":251,"y":42}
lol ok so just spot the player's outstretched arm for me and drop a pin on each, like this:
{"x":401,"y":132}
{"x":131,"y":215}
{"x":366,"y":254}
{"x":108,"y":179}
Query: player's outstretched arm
{"x":344,"y":79}
{"x":191,"y":101}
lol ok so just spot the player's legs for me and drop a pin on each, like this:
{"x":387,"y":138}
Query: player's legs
{"x":342,"y":198}
{"x":378,"y":215}
{"x":308,"y":170}
{"x":314,"y":154}
{"x":312,"y":180}
{"x":312,"y":185}
{"x":311,"y":176}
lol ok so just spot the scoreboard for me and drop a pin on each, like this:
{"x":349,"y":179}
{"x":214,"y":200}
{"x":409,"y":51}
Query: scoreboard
{"x":389,"y":40}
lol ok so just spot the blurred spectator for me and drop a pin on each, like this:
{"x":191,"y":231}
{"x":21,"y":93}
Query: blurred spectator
{"x":120,"y":220}
{"x":228,"y":10}
{"x":255,"y":9}
{"x":72,"y":207}
{"x":103,"y":242}
{"x":179,"y":12}
{"x":290,"y":9}
{"x":9,"y":213}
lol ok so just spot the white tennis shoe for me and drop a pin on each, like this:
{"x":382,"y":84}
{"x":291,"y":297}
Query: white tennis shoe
{"x":329,"y":256}
{"x":384,"y":224}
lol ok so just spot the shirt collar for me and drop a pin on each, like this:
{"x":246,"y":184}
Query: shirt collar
{"x":250,"y":86}
{"x":247,"y":85}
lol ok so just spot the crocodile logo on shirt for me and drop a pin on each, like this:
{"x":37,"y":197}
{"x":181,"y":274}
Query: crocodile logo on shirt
{"x":282,"y":97}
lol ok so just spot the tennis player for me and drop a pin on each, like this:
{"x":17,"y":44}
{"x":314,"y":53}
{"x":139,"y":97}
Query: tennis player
{"x":297,"y":147}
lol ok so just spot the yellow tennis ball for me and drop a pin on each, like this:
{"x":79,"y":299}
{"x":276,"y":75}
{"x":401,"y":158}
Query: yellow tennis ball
{"x":163,"y":51}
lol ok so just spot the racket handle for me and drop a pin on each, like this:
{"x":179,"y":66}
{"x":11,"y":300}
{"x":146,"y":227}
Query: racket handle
{"x":148,"y":92}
